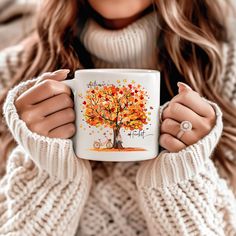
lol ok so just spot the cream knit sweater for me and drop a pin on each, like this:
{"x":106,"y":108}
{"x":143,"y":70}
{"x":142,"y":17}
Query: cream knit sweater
{"x":47,"y":190}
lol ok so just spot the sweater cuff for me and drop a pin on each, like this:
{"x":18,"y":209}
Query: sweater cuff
{"x":172,"y":168}
{"x":54,"y":155}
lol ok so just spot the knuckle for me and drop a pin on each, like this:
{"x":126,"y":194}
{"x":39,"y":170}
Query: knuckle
{"x":70,"y":114}
{"x":167,"y":122}
{"x":165,"y":139}
{"x":174,"y":107}
{"x":187,"y":94}
{"x":49,"y":84}
{"x":67,"y":100}
{"x":71,"y":130}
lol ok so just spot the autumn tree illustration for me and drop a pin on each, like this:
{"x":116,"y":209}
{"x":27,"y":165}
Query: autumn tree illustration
{"x":116,"y":107}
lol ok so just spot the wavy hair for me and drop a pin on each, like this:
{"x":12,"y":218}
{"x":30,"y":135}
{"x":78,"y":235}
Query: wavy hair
{"x":190,"y":44}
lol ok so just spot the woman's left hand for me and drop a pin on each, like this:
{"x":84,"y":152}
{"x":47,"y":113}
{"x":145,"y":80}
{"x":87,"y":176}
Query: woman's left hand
{"x":188,"y":105}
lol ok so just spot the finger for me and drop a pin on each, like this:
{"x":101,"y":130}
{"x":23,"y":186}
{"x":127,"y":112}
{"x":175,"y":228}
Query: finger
{"x":200,"y":125}
{"x":179,"y":113}
{"x":58,"y":75}
{"x":59,"y":118}
{"x":52,"y":105}
{"x":183,"y":86}
{"x":45,"y":125}
{"x":170,"y":143}
{"x":172,"y":127}
{"x":42,"y":91}
{"x":195,"y":102}
{"x":39,"y":111}
{"x":64,"y":131}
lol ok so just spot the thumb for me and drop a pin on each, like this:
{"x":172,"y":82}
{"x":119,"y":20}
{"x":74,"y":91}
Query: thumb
{"x":58,"y":75}
{"x":182,"y":87}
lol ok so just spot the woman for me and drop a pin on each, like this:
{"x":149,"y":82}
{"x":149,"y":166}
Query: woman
{"x":47,"y":190}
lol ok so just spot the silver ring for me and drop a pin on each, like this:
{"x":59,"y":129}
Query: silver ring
{"x":184,"y":127}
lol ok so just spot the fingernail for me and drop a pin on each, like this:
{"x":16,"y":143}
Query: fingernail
{"x":61,"y":71}
{"x":182,"y":86}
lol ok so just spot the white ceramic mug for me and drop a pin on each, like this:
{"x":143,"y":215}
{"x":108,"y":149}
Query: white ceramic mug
{"x":117,"y":114}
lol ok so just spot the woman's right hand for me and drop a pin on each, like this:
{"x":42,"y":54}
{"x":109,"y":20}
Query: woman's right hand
{"x":47,"y":107}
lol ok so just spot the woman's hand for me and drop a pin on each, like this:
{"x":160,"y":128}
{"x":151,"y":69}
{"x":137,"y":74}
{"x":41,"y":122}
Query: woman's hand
{"x":188,"y":105}
{"x":47,"y":107}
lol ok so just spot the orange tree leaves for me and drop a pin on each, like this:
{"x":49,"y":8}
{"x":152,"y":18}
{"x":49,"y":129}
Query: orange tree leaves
{"x":112,"y":106}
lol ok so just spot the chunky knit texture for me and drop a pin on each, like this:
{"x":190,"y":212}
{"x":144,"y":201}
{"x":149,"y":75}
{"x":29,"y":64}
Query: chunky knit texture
{"x":47,"y":190}
{"x":131,"y":47}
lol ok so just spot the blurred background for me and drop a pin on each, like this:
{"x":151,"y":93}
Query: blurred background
{"x":16,"y":20}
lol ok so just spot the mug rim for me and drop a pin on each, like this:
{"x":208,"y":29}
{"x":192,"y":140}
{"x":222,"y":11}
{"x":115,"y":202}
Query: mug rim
{"x":115,"y":70}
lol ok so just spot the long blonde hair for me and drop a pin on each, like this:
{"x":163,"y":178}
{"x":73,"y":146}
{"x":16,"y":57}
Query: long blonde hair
{"x":189,"y":44}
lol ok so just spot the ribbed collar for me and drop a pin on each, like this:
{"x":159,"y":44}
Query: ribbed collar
{"x":131,"y":47}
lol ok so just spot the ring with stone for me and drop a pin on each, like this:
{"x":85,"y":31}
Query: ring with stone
{"x":184,"y":127}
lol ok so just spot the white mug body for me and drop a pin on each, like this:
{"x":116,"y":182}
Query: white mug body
{"x":117,"y":114}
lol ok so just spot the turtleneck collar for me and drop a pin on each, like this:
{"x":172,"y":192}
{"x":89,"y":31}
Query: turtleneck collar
{"x":133,"y":46}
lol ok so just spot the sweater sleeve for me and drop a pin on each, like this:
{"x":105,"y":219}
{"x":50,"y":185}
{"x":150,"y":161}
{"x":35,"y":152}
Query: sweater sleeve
{"x":54,"y":155}
{"x":182,"y":194}
{"x":46,"y":185}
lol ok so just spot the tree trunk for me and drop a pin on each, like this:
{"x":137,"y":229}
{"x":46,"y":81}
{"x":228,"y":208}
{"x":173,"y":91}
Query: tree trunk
{"x":117,"y":144}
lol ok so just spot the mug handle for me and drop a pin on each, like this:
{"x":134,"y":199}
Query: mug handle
{"x":70,"y":83}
